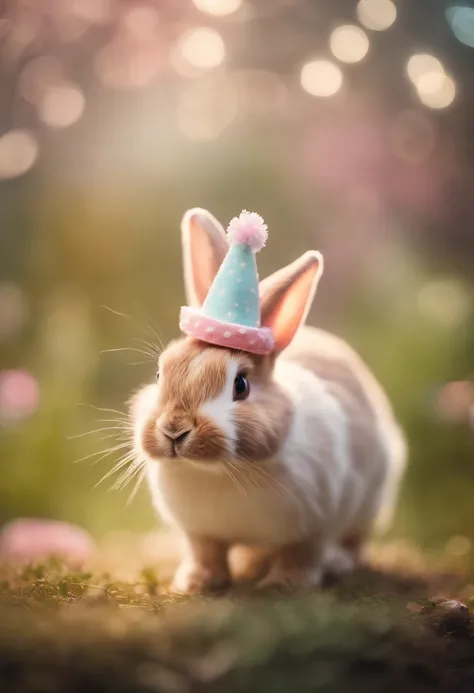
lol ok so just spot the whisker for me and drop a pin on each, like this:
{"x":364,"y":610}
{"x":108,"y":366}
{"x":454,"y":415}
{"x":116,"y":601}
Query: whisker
{"x":127,"y":475}
{"x":150,"y":325}
{"x":141,"y":476}
{"x":105,"y":409}
{"x":97,"y":430}
{"x":150,"y":345}
{"x":121,"y":446}
{"x":228,"y":466}
{"x":121,"y":463}
{"x":115,"y":312}
{"x":256,"y":473}
{"x":230,"y":475}
{"x":118,"y":437}
{"x":103,"y":453}
{"x":124,"y":424}
{"x":274,"y":484}
{"x":156,"y":335}
{"x":125,"y":419}
{"x":149,"y":354}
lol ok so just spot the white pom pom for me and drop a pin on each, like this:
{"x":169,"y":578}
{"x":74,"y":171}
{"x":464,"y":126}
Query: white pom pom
{"x":248,"y":229}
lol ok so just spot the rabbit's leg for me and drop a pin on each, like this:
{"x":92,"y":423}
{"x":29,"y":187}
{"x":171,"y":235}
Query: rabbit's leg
{"x":295,"y":566}
{"x":354,"y":541}
{"x":249,"y":563}
{"x":343,"y":557}
{"x":204,"y":568}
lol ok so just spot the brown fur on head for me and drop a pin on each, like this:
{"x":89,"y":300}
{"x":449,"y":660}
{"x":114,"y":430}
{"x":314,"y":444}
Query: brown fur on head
{"x":191,"y":413}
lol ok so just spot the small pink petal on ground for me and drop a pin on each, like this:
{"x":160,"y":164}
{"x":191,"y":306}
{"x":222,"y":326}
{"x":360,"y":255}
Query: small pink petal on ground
{"x":30,"y":539}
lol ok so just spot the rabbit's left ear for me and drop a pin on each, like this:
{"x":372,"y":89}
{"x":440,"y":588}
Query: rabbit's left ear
{"x":204,"y":246}
{"x":286,"y":297}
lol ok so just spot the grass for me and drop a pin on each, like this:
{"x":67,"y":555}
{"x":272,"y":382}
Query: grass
{"x":384,"y":629}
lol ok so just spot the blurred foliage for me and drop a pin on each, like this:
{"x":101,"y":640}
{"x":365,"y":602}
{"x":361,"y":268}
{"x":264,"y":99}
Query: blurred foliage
{"x":388,"y":629}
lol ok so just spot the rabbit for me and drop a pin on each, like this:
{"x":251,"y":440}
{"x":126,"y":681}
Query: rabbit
{"x":292,"y":456}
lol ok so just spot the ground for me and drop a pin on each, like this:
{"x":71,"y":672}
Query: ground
{"x":387,"y":628}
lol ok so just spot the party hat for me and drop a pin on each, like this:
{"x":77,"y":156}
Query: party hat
{"x":230,"y":315}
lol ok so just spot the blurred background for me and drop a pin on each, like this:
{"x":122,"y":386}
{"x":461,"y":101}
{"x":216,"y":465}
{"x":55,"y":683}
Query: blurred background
{"x":347,"y":125}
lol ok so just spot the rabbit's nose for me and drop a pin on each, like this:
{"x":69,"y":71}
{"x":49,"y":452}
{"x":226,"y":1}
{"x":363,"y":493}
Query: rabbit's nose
{"x":176,"y":431}
{"x":176,"y":437}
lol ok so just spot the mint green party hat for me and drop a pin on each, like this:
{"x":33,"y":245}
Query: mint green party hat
{"x":230,"y":315}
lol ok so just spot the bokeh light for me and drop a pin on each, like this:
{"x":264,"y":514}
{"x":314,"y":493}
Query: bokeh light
{"x":435,"y":88}
{"x":470,"y":417}
{"x":19,"y":395}
{"x":412,"y":136}
{"x":461,"y":20}
{"x":377,"y":15}
{"x":259,"y":91}
{"x":349,"y":43}
{"x":140,"y":21}
{"x":62,"y":105}
{"x":445,"y":301}
{"x":135,"y":54}
{"x":441,"y":97}
{"x":206,"y":109}
{"x":23,"y":34}
{"x":455,"y":401}
{"x":18,"y":153}
{"x":202,"y":48}
{"x":321,"y":78}
{"x":120,"y":65}
{"x":69,"y":25}
{"x":458,"y":545}
{"x":39,"y":75}
{"x":425,"y":71}
{"x":93,"y":11}
{"x":218,"y":8}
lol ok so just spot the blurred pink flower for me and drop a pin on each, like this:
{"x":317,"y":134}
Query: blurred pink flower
{"x":19,"y":395}
{"x":351,"y":153}
{"x":455,"y":401}
{"x":30,"y":539}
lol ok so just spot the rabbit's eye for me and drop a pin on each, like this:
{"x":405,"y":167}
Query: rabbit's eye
{"x":157,"y":374}
{"x":241,"y":387}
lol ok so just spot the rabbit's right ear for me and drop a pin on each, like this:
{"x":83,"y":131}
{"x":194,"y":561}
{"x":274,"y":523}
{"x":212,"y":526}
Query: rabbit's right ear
{"x":204,"y":246}
{"x":286,"y":297}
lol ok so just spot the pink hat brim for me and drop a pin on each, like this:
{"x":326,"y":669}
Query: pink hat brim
{"x":255,"y":340}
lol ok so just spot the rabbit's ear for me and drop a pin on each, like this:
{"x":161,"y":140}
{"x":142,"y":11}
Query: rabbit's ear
{"x":204,"y":246}
{"x":286,"y":297}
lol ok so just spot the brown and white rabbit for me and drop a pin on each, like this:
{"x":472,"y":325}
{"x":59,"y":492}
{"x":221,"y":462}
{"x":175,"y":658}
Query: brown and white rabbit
{"x":292,"y":455}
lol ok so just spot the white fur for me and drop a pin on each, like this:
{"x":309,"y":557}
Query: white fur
{"x":220,"y":408}
{"x":381,"y":491}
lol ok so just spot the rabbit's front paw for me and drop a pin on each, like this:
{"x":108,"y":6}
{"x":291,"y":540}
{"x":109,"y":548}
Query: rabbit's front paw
{"x":249,"y":564}
{"x":297,"y":566}
{"x":338,"y":562}
{"x":192,"y":578}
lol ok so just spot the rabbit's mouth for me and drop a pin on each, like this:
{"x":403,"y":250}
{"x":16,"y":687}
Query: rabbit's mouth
{"x":201,"y":442}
